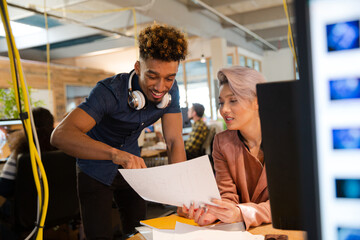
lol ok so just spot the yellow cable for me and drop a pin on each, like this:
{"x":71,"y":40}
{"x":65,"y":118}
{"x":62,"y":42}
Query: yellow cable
{"x":47,"y":50}
{"x":12,"y":66}
{"x":289,"y":36}
{"x":135,"y":25}
{"x":34,"y":155}
{"x":135,"y":32}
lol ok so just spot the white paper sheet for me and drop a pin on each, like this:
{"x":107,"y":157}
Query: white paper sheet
{"x":175,"y":184}
{"x":189,"y":232}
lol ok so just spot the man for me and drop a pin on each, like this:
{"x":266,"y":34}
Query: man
{"x":199,"y":132}
{"x":102,"y":132}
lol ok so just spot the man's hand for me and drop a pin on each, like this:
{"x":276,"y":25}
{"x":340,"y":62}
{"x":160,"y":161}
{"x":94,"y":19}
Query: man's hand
{"x":127,"y":160}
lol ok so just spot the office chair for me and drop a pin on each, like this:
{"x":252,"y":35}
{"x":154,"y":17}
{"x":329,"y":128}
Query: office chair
{"x":208,"y":145}
{"x":63,"y":201}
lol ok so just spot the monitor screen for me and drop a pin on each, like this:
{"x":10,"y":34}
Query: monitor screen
{"x":149,"y":129}
{"x":6,"y":128}
{"x":186,"y":120}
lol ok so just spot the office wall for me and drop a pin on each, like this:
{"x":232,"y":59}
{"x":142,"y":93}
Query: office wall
{"x":278,"y":65}
{"x":36,"y":77}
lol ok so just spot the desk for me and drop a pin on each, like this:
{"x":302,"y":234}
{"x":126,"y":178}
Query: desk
{"x":146,"y":152}
{"x":268,"y":229}
{"x":154,"y":157}
{"x":261,"y":230}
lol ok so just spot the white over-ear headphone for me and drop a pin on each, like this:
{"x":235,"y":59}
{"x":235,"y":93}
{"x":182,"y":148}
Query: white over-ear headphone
{"x":136,"y":99}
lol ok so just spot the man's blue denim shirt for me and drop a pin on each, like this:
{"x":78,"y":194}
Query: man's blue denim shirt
{"x":117,"y":124}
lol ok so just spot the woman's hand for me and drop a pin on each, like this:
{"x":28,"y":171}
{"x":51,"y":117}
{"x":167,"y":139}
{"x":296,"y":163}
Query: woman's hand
{"x":187,"y":212}
{"x":198,"y":214}
{"x":227,"y":212}
{"x":203,"y":217}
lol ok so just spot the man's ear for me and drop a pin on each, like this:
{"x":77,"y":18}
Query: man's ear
{"x":137,"y":68}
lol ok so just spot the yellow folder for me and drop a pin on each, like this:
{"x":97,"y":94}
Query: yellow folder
{"x":167,"y":222}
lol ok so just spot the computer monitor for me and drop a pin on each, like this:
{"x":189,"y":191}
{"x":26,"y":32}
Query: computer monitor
{"x":186,"y":120}
{"x":6,"y":128}
{"x":289,"y":186}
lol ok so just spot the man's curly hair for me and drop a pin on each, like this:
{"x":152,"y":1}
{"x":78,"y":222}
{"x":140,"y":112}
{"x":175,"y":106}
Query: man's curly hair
{"x":163,"y":43}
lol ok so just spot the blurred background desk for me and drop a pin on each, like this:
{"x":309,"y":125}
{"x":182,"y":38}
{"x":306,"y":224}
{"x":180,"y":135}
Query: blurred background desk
{"x":154,"y":157}
{"x":261,"y":230}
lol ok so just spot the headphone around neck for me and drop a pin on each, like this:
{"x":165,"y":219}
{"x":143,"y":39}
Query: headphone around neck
{"x":136,"y":99}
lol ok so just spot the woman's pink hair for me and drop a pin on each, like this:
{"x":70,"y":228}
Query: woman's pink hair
{"x":242,"y":81}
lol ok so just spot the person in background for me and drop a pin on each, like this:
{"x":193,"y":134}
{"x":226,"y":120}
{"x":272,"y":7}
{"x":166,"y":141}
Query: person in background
{"x":102,"y":132}
{"x":44,"y":123}
{"x":238,"y":156}
{"x":199,"y":132}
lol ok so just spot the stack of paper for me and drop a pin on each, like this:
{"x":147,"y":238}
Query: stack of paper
{"x":169,"y":222}
{"x":188,"y":232}
{"x":167,"y":225}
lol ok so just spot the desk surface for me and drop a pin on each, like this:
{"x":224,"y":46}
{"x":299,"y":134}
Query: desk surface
{"x":261,"y":230}
{"x":268,"y":229}
{"x":146,"y":152}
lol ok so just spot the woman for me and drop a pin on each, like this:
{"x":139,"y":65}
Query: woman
{"x":238,"y":157}
{"x":44,"y":123}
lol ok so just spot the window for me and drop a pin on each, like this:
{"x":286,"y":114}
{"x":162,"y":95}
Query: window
{"x":181,"y":85}
{"x":197,"y":88}
{"x":249,"y":63}
{"x":257,"y":65}
{"x":242,"y":61}
{"x":230,"y":60}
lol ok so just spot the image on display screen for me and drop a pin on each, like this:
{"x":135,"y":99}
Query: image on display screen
{"x":345,"y":89}
{"x":348,"y":234}
{"x":342,"y":36}
{"x":348,"y":188}
{"x":346,"y":138}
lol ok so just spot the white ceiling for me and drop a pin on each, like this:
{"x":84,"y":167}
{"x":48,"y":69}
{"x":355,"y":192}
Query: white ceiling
{"x":78,"y":27}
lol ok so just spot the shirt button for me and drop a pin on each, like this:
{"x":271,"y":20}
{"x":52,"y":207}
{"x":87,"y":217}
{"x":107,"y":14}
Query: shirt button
{"x":142,"y":124}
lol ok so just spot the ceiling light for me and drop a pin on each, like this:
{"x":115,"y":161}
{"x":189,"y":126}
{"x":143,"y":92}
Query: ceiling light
{"x":202,"y":59}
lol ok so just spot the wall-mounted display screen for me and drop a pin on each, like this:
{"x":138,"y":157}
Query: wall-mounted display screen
{"x":348,"y":88}
{"x":335,"y":57}
{"x":342,"y":35}
{"x":348,"y":188}
{"x":346,"y":138}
